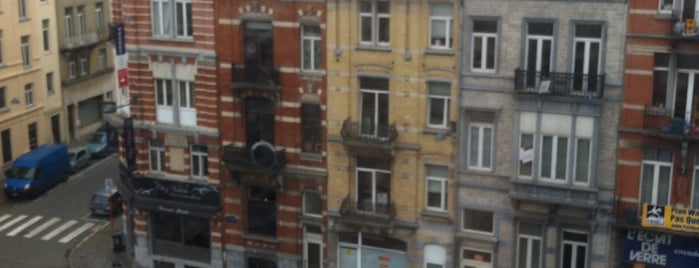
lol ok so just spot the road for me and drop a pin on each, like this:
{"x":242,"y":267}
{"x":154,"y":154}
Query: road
{"x":41,"y":232}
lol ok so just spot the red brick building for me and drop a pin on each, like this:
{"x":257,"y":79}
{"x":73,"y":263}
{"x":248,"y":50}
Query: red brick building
{"x":658,"y":168}
{"x":224,"y":165}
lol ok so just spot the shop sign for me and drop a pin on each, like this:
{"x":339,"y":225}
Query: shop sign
{"x":661,"y":249}
{"x":667,"y":217}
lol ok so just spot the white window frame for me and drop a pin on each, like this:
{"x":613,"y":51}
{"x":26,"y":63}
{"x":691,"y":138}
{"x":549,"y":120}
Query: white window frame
{"x":182,"y":20}
{"x":480,"y":161}
{"x":22,"y":5}
{"x":434,"y":255}
{"x":554,"y":160}
{"x":485,"y":38}
{"x":443,"y":182}
{"x":445,"y":109}
{"x":530,"y":239}
{"x":313,"y":41}
{"x":186,"y":109}
{"x":161,"y":20}
{"x":201,"y":158}
{"x":80,"y":14}
{"x":102,"y":59}
{"x":375,"y":18}
{"x":540,"y":40}
{"x":662,"y":6}
{"x":467,"y":262}
{"x":99,"y":16}
{"x":448,"y":23}
{"x":29,"y":94}
{"x":575,"y":245}
{"x":72,"y":67}
{"x":84,"y":68}
{"x":305,"y":213}
{"x":374,"y":194}
{"x":26,"y":55}
{"x":158,"y":153}
{"x":587,"y":43}
{"x":68,"y":17}
{"x":165,"y":107}
{"x":656,"y":164}
{"x":45,"y":24}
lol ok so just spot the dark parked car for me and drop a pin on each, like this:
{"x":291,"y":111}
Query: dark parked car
{"x":106,"y":202}
{"x":97,"y":144}
{"x":79,"y":158}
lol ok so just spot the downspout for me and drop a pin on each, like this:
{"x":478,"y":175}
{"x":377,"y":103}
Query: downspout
{"x":459,"y":68}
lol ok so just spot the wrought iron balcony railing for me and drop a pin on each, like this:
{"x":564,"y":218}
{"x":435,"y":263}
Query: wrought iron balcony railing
{"x":588,"y":86}
{"x":540,"y":192}
{"x":368,"y":213}
{"x":78,"y":41}
{"x":255,"y":80}
{"x":368,"y":133}
{"x":250,"y":159}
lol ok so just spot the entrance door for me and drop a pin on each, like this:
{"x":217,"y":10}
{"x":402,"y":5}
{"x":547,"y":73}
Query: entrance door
{"x":71,"y":121}
{"x":312,"y":255}
{"x":33,"y":138}
{"x":56,"y":128}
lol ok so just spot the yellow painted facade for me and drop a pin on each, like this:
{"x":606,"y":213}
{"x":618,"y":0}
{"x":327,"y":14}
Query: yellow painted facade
{"x":409,"y":64}
{"x":24,"y":107}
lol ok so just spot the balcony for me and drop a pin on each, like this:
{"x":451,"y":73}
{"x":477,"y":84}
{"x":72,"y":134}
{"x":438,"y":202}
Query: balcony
{"x":583,"y":86}
{"x":255,"y":81}
{"x":79,"y":41}
{"x":663,"y":122}
{"x":261,"y":159}
{"x":369,"y":140}
{"x":686,"y":25}
{"x":555,"y":194}
{"x":375,"y":215}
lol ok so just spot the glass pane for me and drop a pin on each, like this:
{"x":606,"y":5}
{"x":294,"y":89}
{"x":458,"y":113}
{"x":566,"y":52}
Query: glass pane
{"x":383,"y":7}
{"x":312,"y":203}
{"x":368,"y":125}
{"x":434,"y":194}
{"x":536,"y":254}
{"x":546,"y":52}
{"x":365,"y":6}
{"x":437,"y":116}
{"x":365,"y":198}
{"x":474,"y":146}
{"x":306,"y":54}
{"x":582,"y":164}
{"x":580,"y":257}
{"x":383,"y":115}
{"x":316,"y":55}
{"x":438,"y":32}
{"x":664,"y":186}
{"x":168,"y":93}
{"x":546,"y":156}
{"x":478,"y":220}
{"x":567,"y":255}
{"x":522,"y":256}
{"x":490,"y":64}
{"x":481,"y":26}
{"x":647,"y":184}
{"x":156,"y":19}
{"x":437,"y":171}
{"x":487,"y":147}
{"x":477,"y":52}
{"x":189,"y":19}
{"x":383,"y":192}
{"x":594,"y":31}
{"x":196,"y":168}
{"x":384,"y":30}
{"x":167,"y":15}
{"x":179,"y":18}
{"x":313,"y":255}
{"x":366,"y":30}
{"x":561,"y":158}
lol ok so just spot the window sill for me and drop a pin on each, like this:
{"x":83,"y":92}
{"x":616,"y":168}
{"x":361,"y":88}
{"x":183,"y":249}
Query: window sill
{"x":435,"y":130}
{"x":170,"y":39}
{"x":439,"y":215}
{"x":311,"y":73}
{"x":305,"y":219}
{"x":439,"y":51}
{"x":374,"y":48}
{"x":4,"y":110}
{"x":25,"y":19}
{"x":663,"y":16}
{"x":311,"y":156}
{"x":262,"y":238}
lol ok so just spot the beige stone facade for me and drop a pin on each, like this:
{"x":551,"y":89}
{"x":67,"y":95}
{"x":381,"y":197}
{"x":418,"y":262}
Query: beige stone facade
{"x":391,"y":99}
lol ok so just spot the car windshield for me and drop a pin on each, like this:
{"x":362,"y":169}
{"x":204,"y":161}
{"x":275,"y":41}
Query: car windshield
{"x":101,"y":199}
{"x":20,"y":173}
{"x":96,"y":138}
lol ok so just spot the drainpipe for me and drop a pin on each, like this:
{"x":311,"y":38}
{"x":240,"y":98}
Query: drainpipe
{"x":459,"y":67}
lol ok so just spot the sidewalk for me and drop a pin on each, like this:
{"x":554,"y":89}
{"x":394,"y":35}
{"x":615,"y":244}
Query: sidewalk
{"x":97,"y":251}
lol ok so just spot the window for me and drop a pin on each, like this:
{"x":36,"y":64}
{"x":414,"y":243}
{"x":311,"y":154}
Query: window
{"x":473,"y":258}
{"x":660,"y":76}
{"x":483,"y":43}
{"x":26,"y":57}
{"x":574,"y":247}
{"x":311,"y":127}
{"x":435,"y":256}
{"x":162,"y":12}
{"x":163,"y":92}
{"x":45,"y":34}
{"x":587,"y":58}
{"x":477,"y":221}
{"x":262,"y":211}
{"x":1,"y":50}
{"x":312,"y":204}
{"x":99,"y":17}
{"x":6,"y":146}
{"x":656,"y":175}
{"x":310,"y":47}
{"x":436,"y":187}
{"x":695,"y":182}
{"x":374,"y":22}
{"x":554,"y":157}
{"x":480,"y":140}
{"x":157,"y":156}
{"x":439,"y":96}
{"x":539,"y":52}
{"x":686,"y":88}
{"x":180,"y":233}
{"x":80,"y":14}
{"x":22,"y":9}
{"x":312,"y":245}
{"x":186,"y":89}
{"x":102,"y":59}
{"x":29,"y":94}
{"x":69,"y":22}
{"x":84,"y":68}
{"x":374,"y":109}
{"x":529,"y":245}
{"x":526,"y":155}
{"x":373,"y":185}
{"x":199,"y":161}
{"x":441,"y":20}
{"x":33,"y":138}
{"x":665,"y":6}
{"x":3,"y":98}
{"x":72,"y":67}
{"x":49,"y":83}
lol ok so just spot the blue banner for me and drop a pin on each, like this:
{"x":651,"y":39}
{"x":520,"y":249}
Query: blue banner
{"x":663,"y":249}
{"x":119,"y":39}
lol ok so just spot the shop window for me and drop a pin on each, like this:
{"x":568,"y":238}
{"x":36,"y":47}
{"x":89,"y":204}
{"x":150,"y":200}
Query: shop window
{"x":177,"y":236}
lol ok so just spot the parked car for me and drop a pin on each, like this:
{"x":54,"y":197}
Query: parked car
{"x":79,"y":158}
{"x":36,"y":171}
{"x":106,"y":202}
{"x":97,"y":144}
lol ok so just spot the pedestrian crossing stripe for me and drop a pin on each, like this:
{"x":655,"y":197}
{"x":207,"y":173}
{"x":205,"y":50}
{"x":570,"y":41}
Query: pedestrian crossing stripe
{"x":15,"y":225}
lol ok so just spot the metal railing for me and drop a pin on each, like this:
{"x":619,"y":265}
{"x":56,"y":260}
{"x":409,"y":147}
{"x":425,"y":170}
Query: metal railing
{"x":241,"y":159}
{"x":367,"y":132}
{"x":80,"y":40}
{"x":357,"y":211}
{"x":588,"y":86}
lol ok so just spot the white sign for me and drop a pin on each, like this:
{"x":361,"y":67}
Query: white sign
{"x":122,"y":61}
{"x":108,"y":184}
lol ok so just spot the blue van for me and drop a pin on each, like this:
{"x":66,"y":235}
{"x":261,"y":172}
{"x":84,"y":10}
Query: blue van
{"x":37,"y":171}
